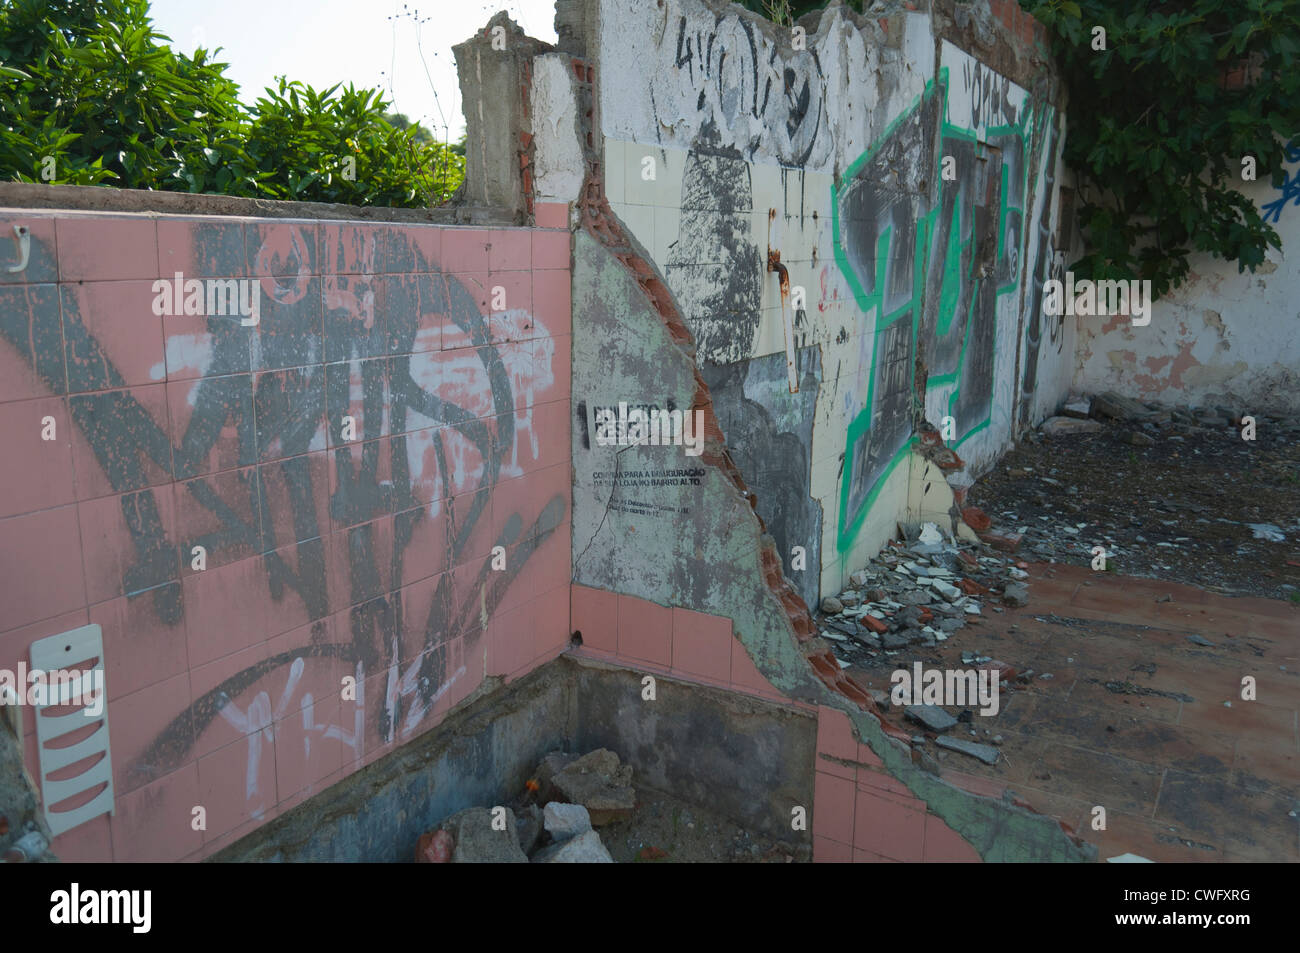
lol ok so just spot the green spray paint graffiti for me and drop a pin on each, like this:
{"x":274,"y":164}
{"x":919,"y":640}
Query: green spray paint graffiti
{"x":929,"y":246}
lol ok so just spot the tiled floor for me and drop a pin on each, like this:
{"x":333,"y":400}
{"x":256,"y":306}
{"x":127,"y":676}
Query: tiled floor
{"x":1140,"y":720}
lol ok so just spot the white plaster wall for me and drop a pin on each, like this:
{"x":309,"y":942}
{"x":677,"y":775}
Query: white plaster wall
{"x":558,"y":163}
{"x":654,"y":115}
{"x":1223,"y":339}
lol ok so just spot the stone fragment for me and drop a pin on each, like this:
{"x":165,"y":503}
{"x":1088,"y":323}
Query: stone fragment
{"x":1016,"y":594}
{"x":585,"y":848}
{"x":986,"y":753}
{"x":1077,"y":408}
{"x":1118,"y":407}
{"x":1058,"y":426}
{"x":601,"y":784}
{"x":930,"y":717}
{"x":478,"y":842}
{"x":832,"y":606}
{"x":563,"y":821}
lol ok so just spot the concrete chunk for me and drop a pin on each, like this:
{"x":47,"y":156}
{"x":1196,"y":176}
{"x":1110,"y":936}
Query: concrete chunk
{"x":986,"y":753}
{"x":600,"y":784}
{"x":931,"y":717}
{"x":563,"y":821}
{"x":1016,"y":594}
{"x":585,"y":848}
{"x":1056,"y":426}
{"x":477,"y":842}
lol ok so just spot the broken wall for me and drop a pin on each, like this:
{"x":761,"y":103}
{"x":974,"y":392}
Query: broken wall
{"x":330,"y":551}
{"x":910,"y":285}
{"x":1225,"y":338}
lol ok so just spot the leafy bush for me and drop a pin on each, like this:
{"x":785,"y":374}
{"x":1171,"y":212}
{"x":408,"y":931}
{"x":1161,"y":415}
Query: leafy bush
{"x":90,"y":93}
{"x":1161,"y":119}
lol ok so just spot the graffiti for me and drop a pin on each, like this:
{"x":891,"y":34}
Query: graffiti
{"x":436,"y":431}
{"x":714,"y":267}
{"x":1048,"y":263}
{"x":769,"y":433}
{"x":930,"y":256}
{"x":739,"y":92}
{"x":1290,"y":189}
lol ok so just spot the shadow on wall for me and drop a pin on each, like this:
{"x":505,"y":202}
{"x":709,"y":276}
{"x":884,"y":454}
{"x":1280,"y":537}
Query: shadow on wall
{"x":769,"y":435}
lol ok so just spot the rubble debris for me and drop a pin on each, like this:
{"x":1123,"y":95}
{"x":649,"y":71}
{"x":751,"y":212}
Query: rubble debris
{"x":478,"y":842}
{"x":435,"y":847}
{"x":976,"y":518}
{"x":986,"y":753}
{"x":1200,"y":640}
{"x":599,"y":783}
{"x":585,"y":848}
{"x":1194,"y":503}
{"x":563,"y":821}
{"x":1016,"y":594}
{"x":930,"y":717}
{"x":529,"y":824}
{"x":1118,"y":407}
{"x":1056,"y":426}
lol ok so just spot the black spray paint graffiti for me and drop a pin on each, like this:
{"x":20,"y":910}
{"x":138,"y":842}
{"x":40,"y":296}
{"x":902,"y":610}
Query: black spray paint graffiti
{"x":131,"y":447}
{"x":743,"y":91}
{"x":930,"y":256}
{"x":1047,"y":263}
{"x":714,"y":267}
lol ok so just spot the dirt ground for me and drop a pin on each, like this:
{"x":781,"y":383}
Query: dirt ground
{"x":668,"y":830}
{"x":1178,"y":510}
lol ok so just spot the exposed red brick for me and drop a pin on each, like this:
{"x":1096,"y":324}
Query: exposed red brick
{"x":971,"y":587}
{"x":1004,"y":671}
{"x":976,"y":519}
{"x":999,"y":539}
{"x":875,"y":625}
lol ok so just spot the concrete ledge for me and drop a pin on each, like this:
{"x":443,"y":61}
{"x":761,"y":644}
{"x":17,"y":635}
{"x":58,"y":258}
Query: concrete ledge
{"x":97,"y":198}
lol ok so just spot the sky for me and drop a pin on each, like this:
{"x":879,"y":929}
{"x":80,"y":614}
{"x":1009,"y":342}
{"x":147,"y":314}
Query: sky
{"x":372,"y":43}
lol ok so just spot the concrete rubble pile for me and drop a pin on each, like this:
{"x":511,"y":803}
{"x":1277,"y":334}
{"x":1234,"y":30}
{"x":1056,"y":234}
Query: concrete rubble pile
{"x":1175,"y":434}
{"x":919,"y":592}
{"x":553,"y":822}
{"x":1147,"y":422}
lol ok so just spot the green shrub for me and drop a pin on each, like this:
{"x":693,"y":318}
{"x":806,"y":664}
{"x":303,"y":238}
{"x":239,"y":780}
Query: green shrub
{"x":91,"y":94}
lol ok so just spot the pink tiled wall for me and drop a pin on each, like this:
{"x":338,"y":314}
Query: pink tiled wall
{"x":692,"y":646}
{"x":326,"y":558}
{"x":862,"y":814}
